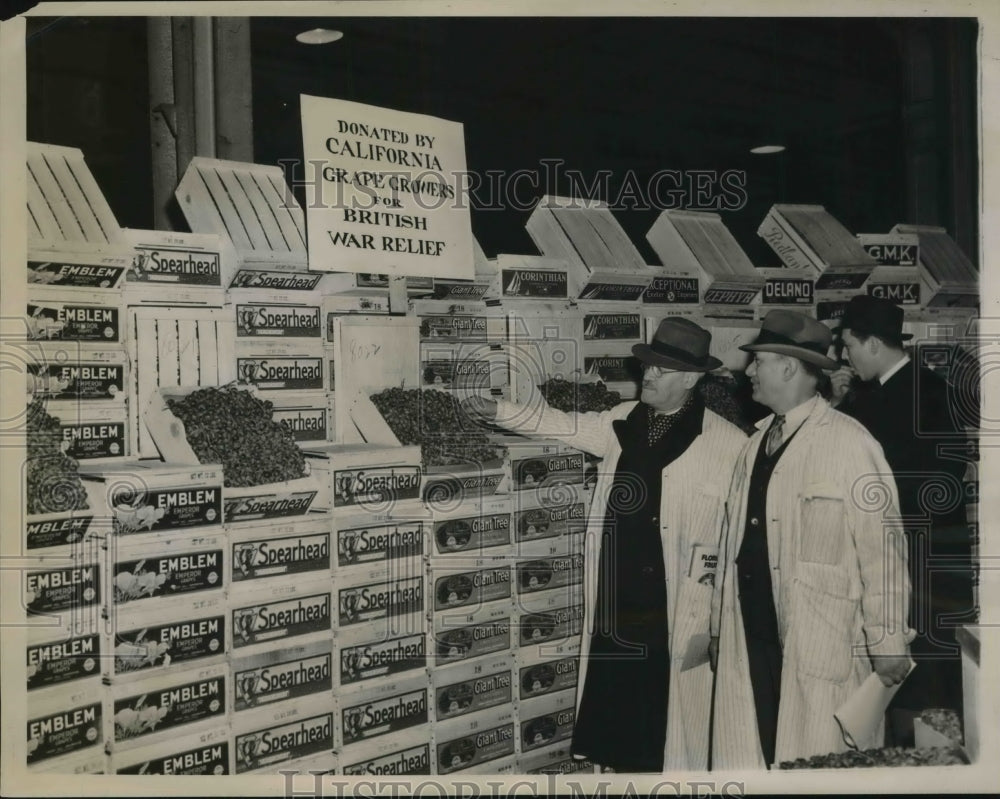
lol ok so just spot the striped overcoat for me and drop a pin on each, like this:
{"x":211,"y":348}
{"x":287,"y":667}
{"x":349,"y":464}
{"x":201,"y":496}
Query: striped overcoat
{"x":838,"y":567}
{"x":691,"y":514}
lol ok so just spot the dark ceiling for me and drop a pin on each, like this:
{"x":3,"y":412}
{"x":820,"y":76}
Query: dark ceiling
{"x":623,"y":97}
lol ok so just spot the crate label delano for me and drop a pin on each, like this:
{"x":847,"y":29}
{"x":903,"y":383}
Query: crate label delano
{"x":155,"y":712}
{"x":787,"y":291}
{"x":383,"y":716}
{"x":406,"y":761}
{"x":283,"y":742}
{"x":476,"y":748}
{"x":548,"y":677}
{"x":68,"y":322}
{"x":472,"y":533}
{"x":172,"y":643}
{"x":289,"y":679}
{"x":377,"y":543}
{"x":59,"y":662}
{"x":64,"y":732}
{"x":208,"y":760}
{"x":380,"y":600}
{"x":169,"y":575}
{"x":477,"y":693}
{"x":62,"y":589}
{"x":164,"y":509}
{"x":382,"y":658}
{"x":274,"y":556}
{"x":283,"y":618}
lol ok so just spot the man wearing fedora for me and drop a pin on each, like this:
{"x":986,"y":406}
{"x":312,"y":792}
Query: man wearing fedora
{"x":906,"y":409}
{"x":812,"y":590}
{"x":652,"y":536}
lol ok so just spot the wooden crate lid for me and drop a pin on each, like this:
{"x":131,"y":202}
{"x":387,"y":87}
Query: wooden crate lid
{"x":830,"y":242}
{"x":66,"y":208}
{"x":250,"y":204}
{"x":941,"y":256}
{"x":700,"y":239}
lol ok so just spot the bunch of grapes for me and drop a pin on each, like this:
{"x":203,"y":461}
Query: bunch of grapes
{"x":721,"y":395}
{"x":889,"y":756}
{"x":51,"y":480}
{"x":945,"y":721}
{"x":231,"y":426}
{"x":565,"y":395}
{"x":434,"y":420}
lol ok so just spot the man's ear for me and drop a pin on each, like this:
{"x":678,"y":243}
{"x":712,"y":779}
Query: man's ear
{"x":691,"y":379}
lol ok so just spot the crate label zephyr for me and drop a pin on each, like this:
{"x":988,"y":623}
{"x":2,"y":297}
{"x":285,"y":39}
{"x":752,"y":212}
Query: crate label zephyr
{"x":389,"y":191}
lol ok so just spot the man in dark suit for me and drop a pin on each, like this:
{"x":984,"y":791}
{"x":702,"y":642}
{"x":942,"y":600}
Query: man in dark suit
{"x":906,"y":409}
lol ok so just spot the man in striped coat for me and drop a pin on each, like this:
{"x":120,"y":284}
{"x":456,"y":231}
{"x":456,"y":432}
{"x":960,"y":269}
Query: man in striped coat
{"x":812,"y":592}
{"x":657,"y":509}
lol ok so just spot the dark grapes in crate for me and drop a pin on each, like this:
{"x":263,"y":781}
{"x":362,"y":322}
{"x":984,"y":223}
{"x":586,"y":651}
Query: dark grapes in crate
{"x":889,"y":756}
{"x":565,"y":395}
{"x":51,"y":481}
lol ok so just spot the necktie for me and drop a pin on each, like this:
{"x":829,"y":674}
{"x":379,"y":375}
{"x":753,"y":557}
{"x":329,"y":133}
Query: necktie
{"x":774,"y":434}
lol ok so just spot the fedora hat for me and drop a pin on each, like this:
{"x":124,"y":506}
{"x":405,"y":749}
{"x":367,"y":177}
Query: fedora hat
{"x":796,"y":334}
{"x":678,"y":344}
{"x":874,"y":316}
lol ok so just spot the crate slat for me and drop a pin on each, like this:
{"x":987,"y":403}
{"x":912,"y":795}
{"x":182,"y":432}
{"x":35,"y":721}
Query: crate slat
{"x":265,"y":217}
{"x":66,"y":177}
{"x":69,"y":226}
{"x":290,"y":218}
{"x":40,"y":213}
{"x":188,"y":351}
{"x":95,"y":197}
{"x":223,"y":203}
{"x":249,"y":217}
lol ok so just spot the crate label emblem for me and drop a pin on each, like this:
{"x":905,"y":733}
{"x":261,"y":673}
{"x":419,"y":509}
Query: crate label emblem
{"x":147,"y":713}
{"x":162,"y":509}
{"x":66,"y":322}
{"x":211,"y":760}
{"x":62,"y":589}
{"x":84,"y":441}
{"x":171,"y":575}
{"x":64,"y":733}
{"x":91,"y":276}
{"x":78,"y":381}
{"x":170,"y":644}
{"x":62,"y":661}
{"x":58,"y":532}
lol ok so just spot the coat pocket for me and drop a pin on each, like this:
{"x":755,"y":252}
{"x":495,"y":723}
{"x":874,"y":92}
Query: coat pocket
{"x":824,"y":633}
{"x":822,"y":529}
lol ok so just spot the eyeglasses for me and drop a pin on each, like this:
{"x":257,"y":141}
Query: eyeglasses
{"x":657,"y":371}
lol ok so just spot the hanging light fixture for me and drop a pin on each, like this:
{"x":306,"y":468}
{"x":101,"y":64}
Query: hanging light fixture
{"x":772,"y":134}
{"x":319,"y":36}
{"x":767,"y":149}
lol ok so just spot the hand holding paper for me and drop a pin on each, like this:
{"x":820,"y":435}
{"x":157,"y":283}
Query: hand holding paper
{"x":860,"y":716}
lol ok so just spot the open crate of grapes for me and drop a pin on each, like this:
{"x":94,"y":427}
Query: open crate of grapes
{"x":266,"y":474}
{"x":459,"y":460}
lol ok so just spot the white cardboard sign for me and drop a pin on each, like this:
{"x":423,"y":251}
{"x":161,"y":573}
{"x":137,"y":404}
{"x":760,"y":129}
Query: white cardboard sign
{"x":388,"y":191}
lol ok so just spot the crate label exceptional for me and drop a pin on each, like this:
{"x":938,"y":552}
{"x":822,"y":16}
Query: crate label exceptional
{"x":54,"y":590}
{"x":274,"y":556}
{"x":547,"y":470}
{"x":416,"y":760}
{"x":158,"y":711}
{"x":536,"y":523}
{"x":787,"y":291}
{"x":547,"y":573}
{"x":478,"y":693}
{"x":894,"y":254}
{"x":547,"y":729}
{"x":64,"y":733}
{"x":475,"y":748}
{"x":551,"y":625}
{"x":548,"y":677}
{"x":621,"y":292}
{"x":610,"y":368}
{"x":90,"y":276}
{"x":472,"y":641}
{"x":268,"y":506}
{"x":61,"y":321}
{"x":455,"y":290}
{"x":176,"y":266}
{"x":276,"y":682}
{"x":472,"y":588}
{"x":380,"y":542}
{"x":58,"y":532}
{"x":472,"y":533}
{"x":380,"y":600}
{"x":58,"y":662}
{"x":165,"y":509}
{"x":281,"y":281}
{"x":94,"y":440}
{"x":902,"y":293}
{"x":169,"y":575}
{"x":611,"y":327}
{"x":76,"y":381}
{"x":169,"y":644}
{"x":672,"y":291}
{"x":449,"y":488}
{"x":375,"y":485}
{"x":305,"y":423}
{"x":280,"y":619}
{"x":283,"y":742}
{"x":369,"y":720}
{"x":453,"y":328}
{"x":281,"y":373}
{"x":278,"y":321}
{"x":830,"y":280}
{"x":382,"y":658}
{"x":209,"y":760}
{"x":533,"y":283}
